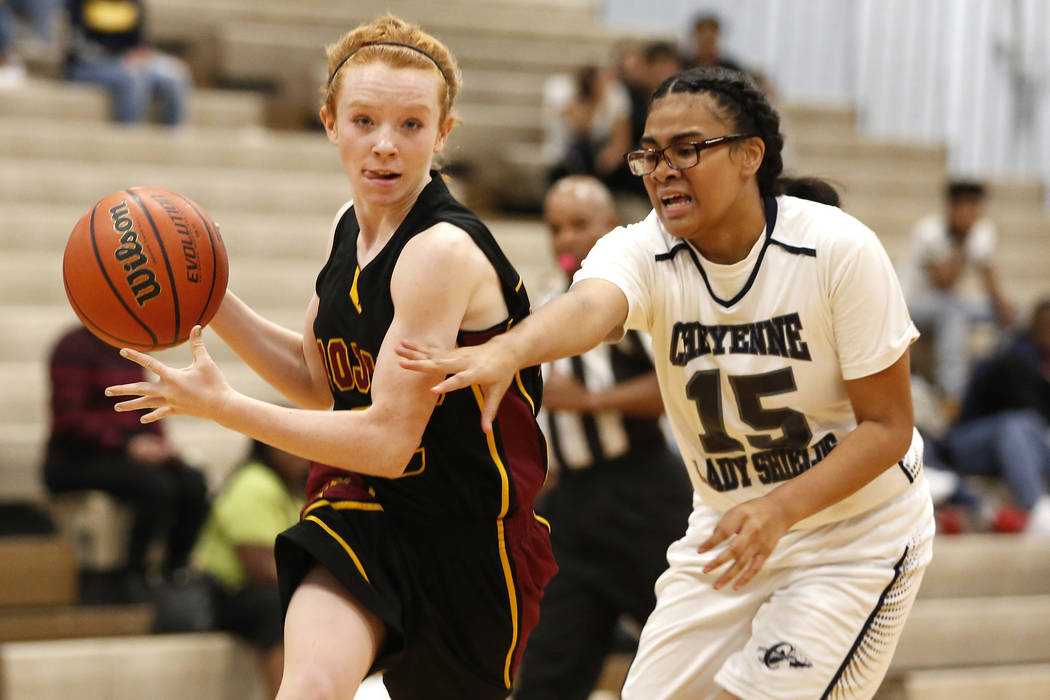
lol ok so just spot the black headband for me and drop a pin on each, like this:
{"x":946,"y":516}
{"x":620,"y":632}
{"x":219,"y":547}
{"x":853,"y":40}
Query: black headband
{"x":389,"y":43}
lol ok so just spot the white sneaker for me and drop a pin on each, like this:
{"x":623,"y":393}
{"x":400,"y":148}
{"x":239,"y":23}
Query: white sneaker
{"x":1039,"y":519}
{"x":942,"y":483}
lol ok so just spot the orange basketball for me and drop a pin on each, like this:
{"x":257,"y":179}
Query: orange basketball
{"x":143,"y":266}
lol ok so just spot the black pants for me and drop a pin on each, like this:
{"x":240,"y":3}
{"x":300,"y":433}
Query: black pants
{"x":170,"y":499}
{"x":611,"y":525}
{"x":253,"y":613}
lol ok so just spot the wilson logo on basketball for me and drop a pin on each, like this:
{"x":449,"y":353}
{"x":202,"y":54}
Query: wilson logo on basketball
{"x":140,"y":278}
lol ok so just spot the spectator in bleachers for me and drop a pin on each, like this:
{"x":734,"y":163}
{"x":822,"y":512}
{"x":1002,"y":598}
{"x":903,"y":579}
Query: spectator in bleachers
{"x":93,"y":448}
{"x":260,"y":499}
{"x":945,"y":247}
{"x":17,"y":36}
{"x":661,"y":62}
{"x":591,"y":119}
{"x":108,"y":46}
{"x":708,"y":53}
{"x":1002,"y":428}
{"x":620,"y":497}
{"x":707,"y":45}
{"x":596,"y":129}
{"x":631,"y":69}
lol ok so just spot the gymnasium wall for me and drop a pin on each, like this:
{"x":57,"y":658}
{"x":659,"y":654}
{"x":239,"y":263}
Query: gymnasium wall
{"x":971,"y":74}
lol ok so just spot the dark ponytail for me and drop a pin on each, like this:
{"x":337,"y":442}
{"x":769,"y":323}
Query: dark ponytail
{"x":746,"y":107}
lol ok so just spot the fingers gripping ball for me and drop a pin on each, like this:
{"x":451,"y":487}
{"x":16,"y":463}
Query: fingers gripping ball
{"x":143,"y":266}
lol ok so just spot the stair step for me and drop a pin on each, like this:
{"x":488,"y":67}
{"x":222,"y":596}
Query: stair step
{"x":975,"y":631}
{"x":1008,"y":682}
{"x":210,"y":666}
{"x":202,"y":148}
{"x":87,"y":103}
{"x":35,"y":571}
{"x":84,"y":184}
{"x":67,"y":622}
{"x":952,"y":572}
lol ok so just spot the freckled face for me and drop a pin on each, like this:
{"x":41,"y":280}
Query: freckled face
{"x":694,"y":200}
{"x":387,"y":127}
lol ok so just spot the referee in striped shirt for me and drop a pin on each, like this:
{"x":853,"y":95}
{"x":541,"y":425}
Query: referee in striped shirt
{"x":620,"y":495}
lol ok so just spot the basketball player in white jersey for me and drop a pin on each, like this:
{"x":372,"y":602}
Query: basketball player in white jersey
{"x":781,"y":342}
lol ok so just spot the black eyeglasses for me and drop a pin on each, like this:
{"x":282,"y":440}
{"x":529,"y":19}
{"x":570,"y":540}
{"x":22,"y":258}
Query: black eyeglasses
{"x":679,"y":156}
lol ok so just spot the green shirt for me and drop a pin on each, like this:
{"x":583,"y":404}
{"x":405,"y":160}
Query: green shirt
{"x":252,"y":509}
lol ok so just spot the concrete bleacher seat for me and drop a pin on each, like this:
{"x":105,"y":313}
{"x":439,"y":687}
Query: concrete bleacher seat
{"x":97,"y":524}
{"x":1005,"y":682}
{"x":37,"y":571}
{"x":210,"y":666}
{"x":975,"y":631}
{"x":38,"y":593}
{"x":81,"y":103}
{"x":196,"y":147}
{"x":242,"y":188}
{"x":73,"y":622}
{"x":183,"y":20}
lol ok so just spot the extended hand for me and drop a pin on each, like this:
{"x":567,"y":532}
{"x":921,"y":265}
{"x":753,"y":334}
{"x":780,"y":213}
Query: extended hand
{"x":755,"y":527}
{"x":490,"y":366}
{"x":198,"y":390}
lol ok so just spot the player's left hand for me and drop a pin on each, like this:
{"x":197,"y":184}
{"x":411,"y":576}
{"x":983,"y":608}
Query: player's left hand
{"x":755,"y":527}
{"x":490,"y":366}
{"x":198,"y":390}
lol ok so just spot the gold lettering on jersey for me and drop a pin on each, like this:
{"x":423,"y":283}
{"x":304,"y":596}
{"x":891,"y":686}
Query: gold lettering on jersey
{"x":350,"y":368}
{"x":324,"y":362}
{"x":354,"y":298}
{"x":780,"y":336}
{"x":417,"y":464}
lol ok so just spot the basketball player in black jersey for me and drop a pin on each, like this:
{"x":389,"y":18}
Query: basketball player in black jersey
{"x":418,"y":552}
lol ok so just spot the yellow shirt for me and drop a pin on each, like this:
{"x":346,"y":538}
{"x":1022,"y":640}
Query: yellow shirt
{"x":252,"y":509}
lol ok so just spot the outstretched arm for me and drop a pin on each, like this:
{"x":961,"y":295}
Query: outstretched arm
{"x":883,"y":408}
{"x":591,"y":311}
{"x":431,"y":288}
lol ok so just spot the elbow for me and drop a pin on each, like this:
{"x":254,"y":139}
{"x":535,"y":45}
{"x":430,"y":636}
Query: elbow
{"x":891,"y":437}
{"x":400,"y":459}
{"x":899,"y":435}
{"x":396,"y":450}
{"x":313,"y":402}
{"x":386,"y":461}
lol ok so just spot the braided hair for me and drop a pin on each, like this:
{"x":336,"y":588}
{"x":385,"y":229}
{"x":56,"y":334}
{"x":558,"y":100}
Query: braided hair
{"x":740,"y":102}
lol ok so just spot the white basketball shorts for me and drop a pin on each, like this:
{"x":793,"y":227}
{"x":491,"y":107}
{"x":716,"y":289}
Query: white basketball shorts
{"x":820,"y":620}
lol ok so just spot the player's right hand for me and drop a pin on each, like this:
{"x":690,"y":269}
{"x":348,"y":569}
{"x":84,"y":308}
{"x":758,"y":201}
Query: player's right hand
{"x":489,"y":366}
{"x":197,"y":390}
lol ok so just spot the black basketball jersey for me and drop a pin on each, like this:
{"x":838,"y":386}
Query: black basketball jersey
{"x":458,"y":471}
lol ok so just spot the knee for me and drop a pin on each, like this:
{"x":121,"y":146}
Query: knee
{"x":170,"y":74}
{"x":1023,"y":425}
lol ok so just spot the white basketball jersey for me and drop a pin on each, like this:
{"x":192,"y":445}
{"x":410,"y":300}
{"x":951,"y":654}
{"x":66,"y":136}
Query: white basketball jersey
{"x":752,"y":357}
